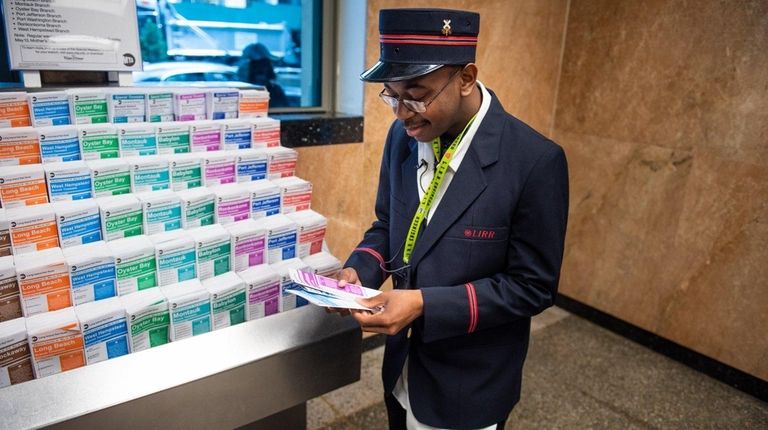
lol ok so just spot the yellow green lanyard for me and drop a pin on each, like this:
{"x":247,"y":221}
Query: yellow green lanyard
{"x":429,"y":195}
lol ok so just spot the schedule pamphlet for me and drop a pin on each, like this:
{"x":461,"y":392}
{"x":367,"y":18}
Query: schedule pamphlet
{"x":323,"y":291}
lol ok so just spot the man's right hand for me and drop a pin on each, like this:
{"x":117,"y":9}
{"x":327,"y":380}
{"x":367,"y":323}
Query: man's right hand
{"x":347,"y":275}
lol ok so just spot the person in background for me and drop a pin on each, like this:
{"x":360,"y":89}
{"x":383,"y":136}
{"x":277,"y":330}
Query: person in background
{"x":471,"y":215}
{"x":256,"y":68}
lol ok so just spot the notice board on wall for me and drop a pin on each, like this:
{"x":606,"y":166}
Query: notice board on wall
{"x":72,"y":34}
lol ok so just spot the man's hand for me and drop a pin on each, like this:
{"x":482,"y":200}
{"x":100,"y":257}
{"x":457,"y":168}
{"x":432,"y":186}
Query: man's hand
{"x":397,"y":309}
{"x":347,"y":275}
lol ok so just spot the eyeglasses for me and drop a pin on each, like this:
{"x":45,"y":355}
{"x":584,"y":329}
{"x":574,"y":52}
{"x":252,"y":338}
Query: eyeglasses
{"x":418,"y":106}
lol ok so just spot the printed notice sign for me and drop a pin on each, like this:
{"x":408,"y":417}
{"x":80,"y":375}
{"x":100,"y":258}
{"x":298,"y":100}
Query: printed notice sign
{"x":72,"y":35}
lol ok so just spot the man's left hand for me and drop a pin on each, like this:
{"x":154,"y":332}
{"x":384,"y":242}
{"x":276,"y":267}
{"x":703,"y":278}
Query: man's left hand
{"x":395,"y":310}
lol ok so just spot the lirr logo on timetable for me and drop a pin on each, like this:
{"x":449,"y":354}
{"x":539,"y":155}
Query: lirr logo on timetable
{"x":129,"y":59}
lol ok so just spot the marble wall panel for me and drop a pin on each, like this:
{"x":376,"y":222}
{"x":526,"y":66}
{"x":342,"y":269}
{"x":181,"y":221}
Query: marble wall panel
{"x":662,"y":109}
{"x":669,"y":72}
{"x":628,"y":236}
{"x":334,"y":171}
{"x":721,"y":296}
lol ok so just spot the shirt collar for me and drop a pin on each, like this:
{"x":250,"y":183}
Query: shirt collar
{"x":425,"y":148}
{"x":461,"y":150}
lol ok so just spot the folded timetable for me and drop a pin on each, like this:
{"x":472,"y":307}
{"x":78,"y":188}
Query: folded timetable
{"x":323,"y":291}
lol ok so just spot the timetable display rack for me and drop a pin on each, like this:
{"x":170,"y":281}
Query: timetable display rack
{"x":258,"y":374}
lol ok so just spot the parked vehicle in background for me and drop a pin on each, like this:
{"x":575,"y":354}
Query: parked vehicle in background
{"x":195,"y":73}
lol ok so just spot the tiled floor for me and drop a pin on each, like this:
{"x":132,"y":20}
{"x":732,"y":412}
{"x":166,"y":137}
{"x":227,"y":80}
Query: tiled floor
{"x":577,"y":376}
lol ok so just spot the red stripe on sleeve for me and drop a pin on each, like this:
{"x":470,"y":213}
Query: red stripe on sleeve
{"x":473,"y":314}
{"x":378,"y":257}
{"x":372,"y":252}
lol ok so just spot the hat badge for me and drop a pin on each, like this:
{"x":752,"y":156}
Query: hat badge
{"x":446,"y":27}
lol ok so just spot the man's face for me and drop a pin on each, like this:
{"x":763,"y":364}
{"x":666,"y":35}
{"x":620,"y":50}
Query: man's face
{"x":443,"y":106}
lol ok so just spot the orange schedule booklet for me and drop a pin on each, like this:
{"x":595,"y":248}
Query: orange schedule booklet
{"x":32,"y":228}
{"x":14,"y":110}
{"x":19,"y":146}
{"x":23,"y":186}
{"x":44,"y":281}
{"x":56,"y":341}
{"x":253,"y":103}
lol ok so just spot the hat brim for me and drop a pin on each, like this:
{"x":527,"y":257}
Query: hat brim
{"x":393,"y":72}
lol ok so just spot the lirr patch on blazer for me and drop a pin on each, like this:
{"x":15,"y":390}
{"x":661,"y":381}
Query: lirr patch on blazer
{"x":480,"y":233}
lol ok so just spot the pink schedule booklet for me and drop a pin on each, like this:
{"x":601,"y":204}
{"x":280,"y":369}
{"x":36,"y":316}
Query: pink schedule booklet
{"x":323,"y":291}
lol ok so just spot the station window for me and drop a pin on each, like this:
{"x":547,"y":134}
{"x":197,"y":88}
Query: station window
{"x":239,"y":43}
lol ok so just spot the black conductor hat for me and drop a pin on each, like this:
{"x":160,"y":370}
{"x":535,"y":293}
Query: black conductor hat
{"x":415,"y":42}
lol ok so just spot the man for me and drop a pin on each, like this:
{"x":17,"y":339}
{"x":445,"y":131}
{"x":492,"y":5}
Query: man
{"x":471,"y":214}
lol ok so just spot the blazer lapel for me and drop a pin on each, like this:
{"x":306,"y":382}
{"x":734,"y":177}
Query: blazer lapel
{"x":468,"y":182}
{"x":466,"y":185}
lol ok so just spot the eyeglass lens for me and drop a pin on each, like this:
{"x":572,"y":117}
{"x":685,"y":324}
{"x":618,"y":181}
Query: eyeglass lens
{"x":417,"y":106}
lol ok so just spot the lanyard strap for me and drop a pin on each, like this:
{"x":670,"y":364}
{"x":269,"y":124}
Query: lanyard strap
{"x":429,"y":196}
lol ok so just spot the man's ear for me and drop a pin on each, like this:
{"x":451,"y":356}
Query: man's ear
{"x":468,"y":78}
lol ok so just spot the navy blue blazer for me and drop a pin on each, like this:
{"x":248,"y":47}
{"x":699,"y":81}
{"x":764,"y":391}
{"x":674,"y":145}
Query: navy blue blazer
{"x":488,"y":260}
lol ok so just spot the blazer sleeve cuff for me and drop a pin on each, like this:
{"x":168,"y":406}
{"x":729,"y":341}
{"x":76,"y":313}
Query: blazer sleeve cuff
{"x":369,"y":266}
{"x":450,"y":311}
